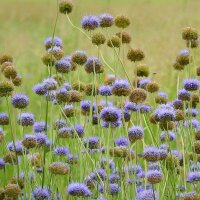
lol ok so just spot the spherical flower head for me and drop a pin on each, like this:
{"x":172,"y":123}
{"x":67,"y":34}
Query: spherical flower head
{"x":86,"y":106}
{"x":183,"y":57}
{"x":100,"y":174}
{"x":4,"y":119}
{"x":72,"y":158}
{"x":50,"y":84}
{"x":79,"y":57}
{"x":67,"y":86}
{"x":6,"y":88}
{"x":41,"y":193}
{"x":62,"y":95}
{"x":189,"y":33}
{"x":93,"y":65}
{"x":151,"y":154}
{"x":41,"y":138}
{"x":93,"y":142}
{"x":122,"y":21}
{"x":65,"y":132}
{"x":114,"y":189}
{"x":114,"y":42}
{"x":61,"y":151}
{"x":165,"y":113}
{"x":191,"y":84}
{"x":59,"y":168}
{"x":143,"y":82}
{"x":2,"y":163}
{"x":192,"y":112}
{"x":114,"y":177}
{"x":39,"y":89}
{"x":90,"y":22}
{"x":193,"y":177}
{"x":12,"y":190}
{"x":57,"y":53}
{"x":135,"y":133}
{"x":63,"y":66}
{"x":20,"y":101}
{"x":121,"y":87}
{"x":138,"y":95}
{"x":124,"y":36}
{"x":144,"y":108}
{"x":79,"y":131}
{"x":49,"y":42}
{"x":121,"y":141}
{"x":130,"y":106}
{"x":189,"y":196}
{"x":135,"y":55}
{"x":106,"y":20}
{"x":39,"y":127}
{"x":110,"y":114}
{"x":98,"y":38}
{"x":26,"y":119}
{"x":105,"y":90}
{"x":29,"y":141}
{"x":65,"y":6}
{"x":147,"y":195}
{"x":78,"y":190}
{"x":154,"y":176}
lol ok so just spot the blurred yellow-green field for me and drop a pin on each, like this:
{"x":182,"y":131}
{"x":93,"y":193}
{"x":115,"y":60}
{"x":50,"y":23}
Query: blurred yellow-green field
{"x":156,"y":27}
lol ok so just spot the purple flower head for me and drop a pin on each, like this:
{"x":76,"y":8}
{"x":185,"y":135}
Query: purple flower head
{"x":144,"y":108}
{"x":147,"y":195}
{"x":151,"y":154}
{"x":67,"y":86}
{"x":2,"y":163}
{"x":20,"y":101}
{"x":121,"y":141}
{"x":114,"y":178}
{"x":183,"y":95}
{"x":93,"y":64}
{"x":106,"y":20}
{"x":50,"y":84}
{"x":41,"y":138}
{"x":133,"y":169}
{"x":110,"y":114}
{"x":121,"y":84}
{"x":155,"y":174}
{"x":41,"y":193}
{"x":114,"y":189}
{"x":112,"y":124}
{"x":63,"y":66}
{"x":105,"y":90}
{"x":131,"y":106}
{"x":193,"y":177}
{"x":61,"y":151}
{"x":79,"y":130}
{"x":4,"y":119}
{"x":195,"y":123}
{"x":39,"y":89}
{"x":191,"y":84}
{"x":79,"y":190}
{"x":85,"y":106}
{"x":56,"y":41}
{"x":162,"y":94}
{"x":26,"y":119}
{"x":143,"y":82}
{"x":184,"y":52}
{"x":177,"y":104}
{"x":55,"y":49}
{"x":90,"y":22}
{"x":101,"y":173}
{"x":39,"y":127}
{"x":135,"y":133}
{"x":165,"y":113}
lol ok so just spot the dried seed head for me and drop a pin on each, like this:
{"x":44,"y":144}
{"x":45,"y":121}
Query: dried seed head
{"x":79,"y":57}
{"x":65,"y":6}
{"x":5,"y":58}
{"x":142,"y":70}
{"x":180,"y":115}
{"x":167,"y":125}
{"x":114,"y":41}
{"x":76,"y":96}
{"x":124,"y":36}
{"x":12,"y":190}
{"x":197,"y":147}
{"x":10,"y":157}
{"x":10,"y":72}
{"x":98,"y":39}
{"x":122,"y":21}
{"x":138,"y":95}
{"x":79,"y":86}
{"x":48,"y":59}
{"x":198,"y":71}
{"x":192,"y":43}
{"x":6,"y":88}
{"x":172,"y":162}
{"x":189,"y":33}
{"x":177,"y":66}
{"x":17,"y":81}
{"x":59,"y":168}
{"x":135,"y":55}
{"x":152,"y":87}
{"x":91,"y":90}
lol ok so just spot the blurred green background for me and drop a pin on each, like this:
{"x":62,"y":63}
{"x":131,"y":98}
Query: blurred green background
{"x":156,"y":27}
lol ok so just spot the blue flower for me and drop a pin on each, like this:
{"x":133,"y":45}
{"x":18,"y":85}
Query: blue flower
{"x":90,"y":22}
